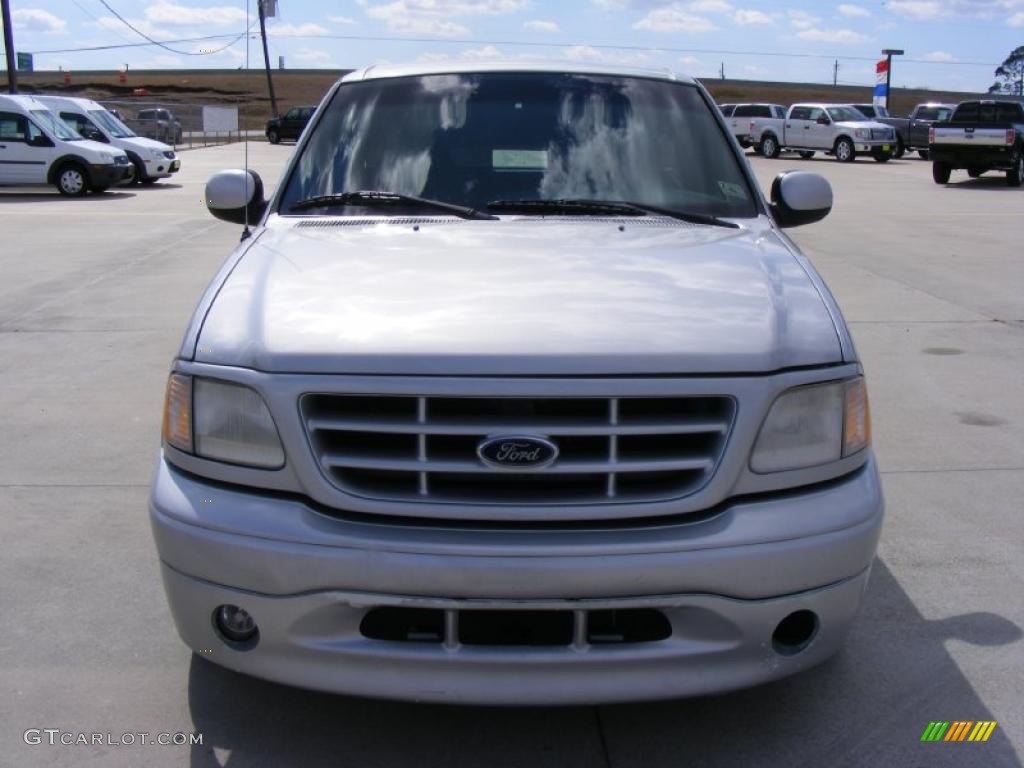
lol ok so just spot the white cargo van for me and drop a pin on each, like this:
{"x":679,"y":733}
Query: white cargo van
{"x":153,"y":160}
{"x":37,"y":147}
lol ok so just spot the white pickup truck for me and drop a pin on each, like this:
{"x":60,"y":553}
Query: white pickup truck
{"x":834,"y":129}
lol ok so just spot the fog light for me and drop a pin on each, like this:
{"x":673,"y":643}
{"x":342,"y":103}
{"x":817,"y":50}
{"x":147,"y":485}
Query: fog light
{"x":235,"y":624}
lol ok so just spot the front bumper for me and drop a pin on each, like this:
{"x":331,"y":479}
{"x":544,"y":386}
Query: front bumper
{"x":723,"y":582}
{"x":162,"y":168}
{"x":107,"y":175}
{"x":872,"y":146}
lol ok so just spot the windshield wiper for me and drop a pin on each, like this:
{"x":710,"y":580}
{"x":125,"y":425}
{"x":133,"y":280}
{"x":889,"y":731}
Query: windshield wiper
{"x":607,"y":207}
{"x":376,"y":199}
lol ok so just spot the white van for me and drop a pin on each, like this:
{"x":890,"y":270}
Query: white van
{"x":37,"y":147}
{"x":153,"y":160}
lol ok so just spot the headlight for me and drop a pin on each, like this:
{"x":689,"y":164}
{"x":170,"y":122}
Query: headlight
{"x":862,"y":133}
{"x":217,"y":420}
{"x":155,"y":154}
{"x":812,"y":425}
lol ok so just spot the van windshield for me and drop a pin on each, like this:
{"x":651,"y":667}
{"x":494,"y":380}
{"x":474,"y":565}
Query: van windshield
{"x":473,"y":139}
{"x":111,"y":124}
{"x":56,"y":126}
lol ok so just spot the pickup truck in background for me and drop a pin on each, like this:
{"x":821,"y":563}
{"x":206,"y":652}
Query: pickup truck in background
{"x":740,"y":120}
{"x":912,"y":131}
{"x":981,"y":136}
{"x":834,"y":129}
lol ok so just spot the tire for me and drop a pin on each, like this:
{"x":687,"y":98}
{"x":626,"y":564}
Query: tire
{"x":923,"y":154}
{"x":1015,"y":176}
{"x":273,"y":137}
{"x":844,"y":150}
{"x":770,"y":147}
{"x":900,"y":150}
{"x":72,"y":180}
{"x":975,"y":172}
{"x":882,"y":157}
{"x":940,"y":172}
{"x":140,"y":172}
{"x":806,"y":155}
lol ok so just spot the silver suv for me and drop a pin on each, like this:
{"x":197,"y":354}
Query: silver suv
{"x":517,"y":393}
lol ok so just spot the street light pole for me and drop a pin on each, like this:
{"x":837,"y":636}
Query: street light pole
{"x":889,"y":53}
{"x":12,"y":64}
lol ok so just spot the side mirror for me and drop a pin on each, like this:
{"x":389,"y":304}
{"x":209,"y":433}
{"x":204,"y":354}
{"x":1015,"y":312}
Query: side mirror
{"x":236,"y":196}
{"x":95,"y":135}
{"x":823,"y":120}
{"x":39,"y":140}
{"x":800,"y":197}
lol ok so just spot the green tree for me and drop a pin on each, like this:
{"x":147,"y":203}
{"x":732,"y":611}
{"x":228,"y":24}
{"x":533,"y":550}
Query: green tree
{"x":1010,"y":74}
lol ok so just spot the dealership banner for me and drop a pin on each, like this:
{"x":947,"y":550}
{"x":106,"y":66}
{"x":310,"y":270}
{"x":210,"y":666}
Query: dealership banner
{"x":881,"y":98}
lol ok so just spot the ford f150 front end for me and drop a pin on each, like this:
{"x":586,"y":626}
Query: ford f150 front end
{"x":517,"y":394}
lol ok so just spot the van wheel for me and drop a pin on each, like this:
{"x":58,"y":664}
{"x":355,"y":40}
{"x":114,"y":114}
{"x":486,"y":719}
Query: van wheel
{"x":940,"y":172}
{"x":770,"y":147}
{"x":806,"y":155}
{"x":72,"y":181}
{"x":140,"y":172}
{"x":845,"y":152}
{"x":1015,"y":176}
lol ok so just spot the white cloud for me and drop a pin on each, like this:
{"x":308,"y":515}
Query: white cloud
{"x":709,"y":6}
{"x":297,"y":30}
{"x":37,"y":20}
{"x":748,"y":18}
{"x":434,"y":17}
{"x":316,"y":57}
{"x":689,"y":61}
{"x":933,"y":9}
{"x":940,"y":55}
{"x":541,"y":26}
{"x":482,"y":53}
{"x":842,"y":36}
{"x":853,"y":11}
{"x":803,"y":19}
{"x":919,"y":9}
{"x":674,"y":19}
{"x":110,"y":23}
{"x":165,"y":12}
{"x":1017,"y":20}
{"x":345,"y":21}
{"x":589,"y":53}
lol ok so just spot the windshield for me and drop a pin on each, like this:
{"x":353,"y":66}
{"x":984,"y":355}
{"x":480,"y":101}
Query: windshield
{"x":840,"y":114}
{"x":56,"y":126}
{"x":477,"y":138}
{"x":111,"y":124}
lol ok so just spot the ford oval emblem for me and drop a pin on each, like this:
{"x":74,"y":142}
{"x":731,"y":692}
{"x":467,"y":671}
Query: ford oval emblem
{"x":517,"y":452}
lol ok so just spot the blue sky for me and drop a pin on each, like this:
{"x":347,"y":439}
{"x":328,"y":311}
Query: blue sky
{"x":951,"y":44}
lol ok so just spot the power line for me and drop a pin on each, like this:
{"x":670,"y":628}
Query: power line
{"x":143,"y":35}
{"x":114,"y":46}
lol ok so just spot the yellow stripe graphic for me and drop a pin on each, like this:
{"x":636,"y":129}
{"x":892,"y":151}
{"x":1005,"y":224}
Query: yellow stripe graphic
{"x":988,"y":731}
{"x":978,"y":729}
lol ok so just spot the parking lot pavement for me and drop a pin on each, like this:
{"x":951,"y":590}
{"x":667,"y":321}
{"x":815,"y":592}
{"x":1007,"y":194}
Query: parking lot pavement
{"x":94,"y":297}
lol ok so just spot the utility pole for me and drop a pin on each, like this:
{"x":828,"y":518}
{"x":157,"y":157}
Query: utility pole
{"x":721,"y":70}
{"x":12,"y":64}
{"x":263,"y":5}
{"x":835,"y":73}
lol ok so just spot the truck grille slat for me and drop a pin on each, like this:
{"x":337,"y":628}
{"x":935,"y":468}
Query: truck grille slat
{"x":611,"y":449}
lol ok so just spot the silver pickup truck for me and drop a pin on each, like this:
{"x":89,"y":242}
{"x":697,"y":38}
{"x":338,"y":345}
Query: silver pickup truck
{"x":516,"y":392}
{"x":835,"y":129}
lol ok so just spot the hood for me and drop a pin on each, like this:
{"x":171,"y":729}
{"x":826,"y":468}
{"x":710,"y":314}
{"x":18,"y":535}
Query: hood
{"x":528,"y":296}
{"x":874,"y":124}
{"x":141,"y":142}
{"x":88,"y":145}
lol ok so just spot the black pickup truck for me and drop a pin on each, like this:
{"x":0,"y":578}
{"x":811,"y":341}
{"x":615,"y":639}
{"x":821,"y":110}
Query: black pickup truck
{"x":911,"y":131}
{"x":981,"y":136}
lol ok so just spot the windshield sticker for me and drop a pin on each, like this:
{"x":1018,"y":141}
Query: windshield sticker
{"x":730,"y":189}
{"x":519,"y":159}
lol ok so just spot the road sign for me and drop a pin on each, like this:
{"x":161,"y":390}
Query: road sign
{"x":25,"y":62}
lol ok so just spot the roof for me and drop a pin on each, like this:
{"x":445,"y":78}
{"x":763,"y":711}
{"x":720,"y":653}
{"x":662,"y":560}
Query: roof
{"x":23,"y":100}
{"x":444,"y":67}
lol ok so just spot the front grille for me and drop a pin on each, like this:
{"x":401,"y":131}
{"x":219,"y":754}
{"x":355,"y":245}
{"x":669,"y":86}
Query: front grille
{"x":624,"y":449}
{"x":882,"y":134}
{"x":490,"y":627}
